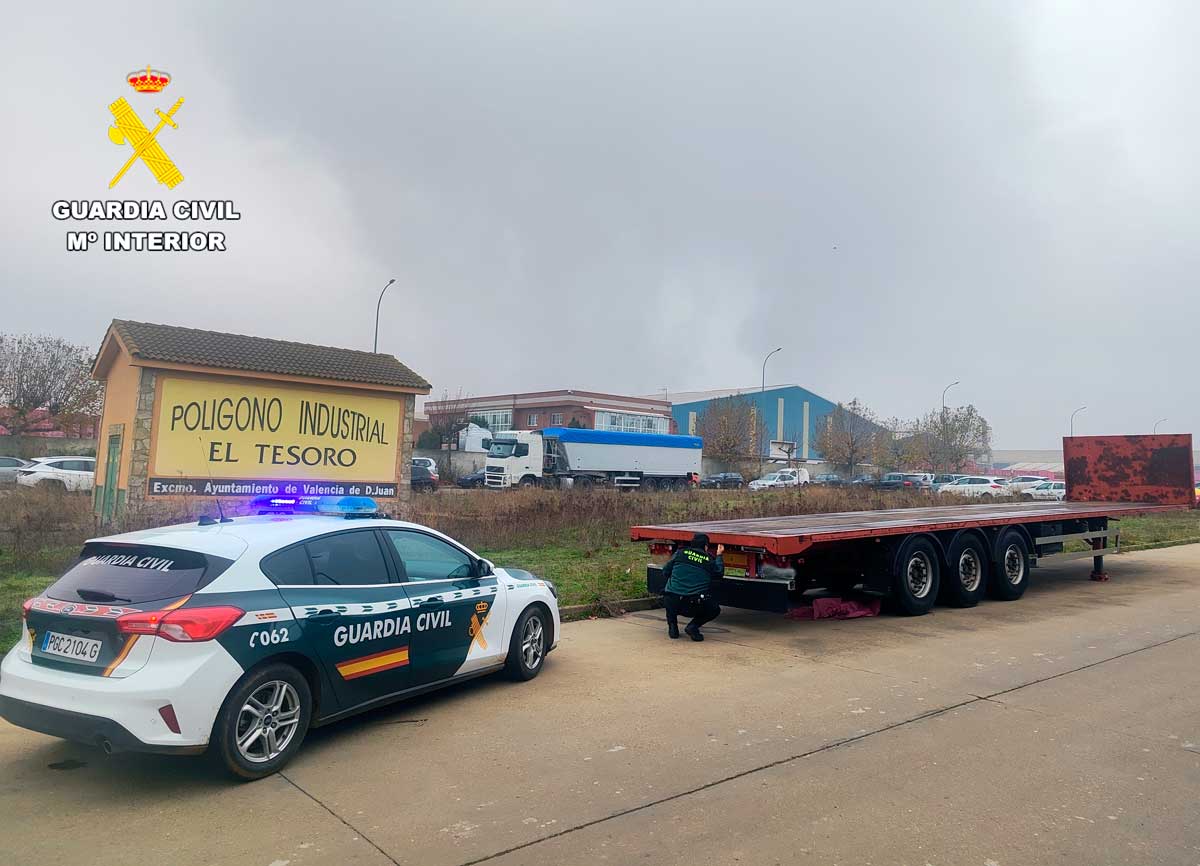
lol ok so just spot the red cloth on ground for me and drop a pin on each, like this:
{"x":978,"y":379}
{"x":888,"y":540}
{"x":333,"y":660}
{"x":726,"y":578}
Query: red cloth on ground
{"x":836,"y":608}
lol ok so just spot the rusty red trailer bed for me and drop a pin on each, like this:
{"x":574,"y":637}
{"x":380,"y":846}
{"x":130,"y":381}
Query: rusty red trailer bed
{"x":790,"y":535}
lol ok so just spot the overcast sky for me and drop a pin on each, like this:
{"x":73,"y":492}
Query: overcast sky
{"x":627,"y":196}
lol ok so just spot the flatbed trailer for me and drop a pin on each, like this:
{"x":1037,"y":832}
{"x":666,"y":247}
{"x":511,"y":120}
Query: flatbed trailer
{"x":955,"y":553}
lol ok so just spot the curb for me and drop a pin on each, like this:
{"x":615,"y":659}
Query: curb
{"x":616,"y":608}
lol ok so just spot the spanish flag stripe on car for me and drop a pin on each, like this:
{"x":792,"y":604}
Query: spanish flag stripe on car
{"x":373,"y":664}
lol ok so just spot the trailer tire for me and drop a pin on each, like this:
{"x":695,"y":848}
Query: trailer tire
{"x":915,"y":577}
{"x":967,"y":566}
{"x":583,"y":482}
{"x":1010,"y":566}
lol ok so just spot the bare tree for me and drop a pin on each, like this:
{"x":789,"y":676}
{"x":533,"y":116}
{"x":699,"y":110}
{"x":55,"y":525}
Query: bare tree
{"x":848,"y":437}
{"x":448,"y":415}
{"x":730,"y":430}
{"x":947,"y":440}
{"x":891,"y":446}
{"x":46,"y":373}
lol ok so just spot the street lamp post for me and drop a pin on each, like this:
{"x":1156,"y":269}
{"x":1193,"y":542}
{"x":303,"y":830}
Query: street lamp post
{"x":944,"y":390}
{"x":1156,"y":423}
{"x":375,"y":347}
{"x":764,"y":376}
{"x":1073,"y":414}
{"x":945,"y":444}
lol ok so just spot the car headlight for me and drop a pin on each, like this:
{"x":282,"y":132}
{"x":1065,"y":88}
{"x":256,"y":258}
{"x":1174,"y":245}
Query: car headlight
{"x":553,"y":589}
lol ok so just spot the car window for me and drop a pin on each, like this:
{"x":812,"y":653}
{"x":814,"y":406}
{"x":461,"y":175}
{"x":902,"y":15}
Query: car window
{"x":347,"y":558}
{"x":9,"y":461}
{"x":79,"y":465}
{"x":429,"y":558}
{"x":288,"y":567}
{"x":107,"y":573}
{"x":54,"y":464}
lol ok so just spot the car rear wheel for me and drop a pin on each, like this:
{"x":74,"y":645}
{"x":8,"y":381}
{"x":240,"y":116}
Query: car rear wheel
{"x":263,"y":721}
{"x":527,"y":646}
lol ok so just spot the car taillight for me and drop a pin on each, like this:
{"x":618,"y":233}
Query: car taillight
{"x":908,"y":484}
{"x":182,"y":624}
{"x":26,"y":606}
{"x":996,"y":487}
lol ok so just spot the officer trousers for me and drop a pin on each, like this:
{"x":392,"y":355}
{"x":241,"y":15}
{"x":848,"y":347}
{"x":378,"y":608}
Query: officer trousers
{"x":701,"y":608}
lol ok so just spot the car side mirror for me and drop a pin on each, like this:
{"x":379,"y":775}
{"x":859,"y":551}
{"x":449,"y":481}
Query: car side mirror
{"x":484,"y":568}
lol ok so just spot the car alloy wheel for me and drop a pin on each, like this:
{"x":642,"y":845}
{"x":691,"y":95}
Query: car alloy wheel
{"x":268,"y":721}
{"x":533,"y":645}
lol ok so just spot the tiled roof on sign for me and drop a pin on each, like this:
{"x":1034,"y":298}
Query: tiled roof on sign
{"x":177,"y":345}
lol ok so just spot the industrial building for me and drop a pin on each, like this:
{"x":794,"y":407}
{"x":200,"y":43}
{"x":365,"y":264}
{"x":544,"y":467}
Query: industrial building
{"x":791,"y":416}
{"x":566,"y":408}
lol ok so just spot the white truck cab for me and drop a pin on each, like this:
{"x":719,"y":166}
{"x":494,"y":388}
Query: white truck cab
{"x":514,"y":459}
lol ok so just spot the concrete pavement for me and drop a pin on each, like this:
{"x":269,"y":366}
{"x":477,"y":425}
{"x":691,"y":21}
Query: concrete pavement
{"x":1061,"y":728}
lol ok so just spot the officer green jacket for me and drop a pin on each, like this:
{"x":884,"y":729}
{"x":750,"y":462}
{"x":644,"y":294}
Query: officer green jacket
{"x":690,"y":571}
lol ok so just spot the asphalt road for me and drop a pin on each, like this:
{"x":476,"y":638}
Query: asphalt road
{"x":1064,"y":728}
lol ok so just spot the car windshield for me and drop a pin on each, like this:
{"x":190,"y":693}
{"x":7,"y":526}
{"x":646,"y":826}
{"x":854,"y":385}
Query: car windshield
{"x":502,"y":448}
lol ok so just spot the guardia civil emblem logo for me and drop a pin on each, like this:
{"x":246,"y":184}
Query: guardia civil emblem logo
{"x":130,"y":130}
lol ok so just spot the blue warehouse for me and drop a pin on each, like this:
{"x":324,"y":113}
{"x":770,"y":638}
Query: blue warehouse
{"x":788,"y":413}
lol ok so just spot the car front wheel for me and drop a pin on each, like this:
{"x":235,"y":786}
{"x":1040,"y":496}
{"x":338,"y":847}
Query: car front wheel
{"x":263,"y":721}
{"x":527,"y":647}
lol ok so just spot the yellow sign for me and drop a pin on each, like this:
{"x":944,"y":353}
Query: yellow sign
{"x":213,"y":428}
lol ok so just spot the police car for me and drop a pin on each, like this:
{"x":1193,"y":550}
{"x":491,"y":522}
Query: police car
{"x":240,"y":634}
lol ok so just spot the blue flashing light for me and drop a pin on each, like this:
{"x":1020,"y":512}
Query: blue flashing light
{"x":346,"y":505}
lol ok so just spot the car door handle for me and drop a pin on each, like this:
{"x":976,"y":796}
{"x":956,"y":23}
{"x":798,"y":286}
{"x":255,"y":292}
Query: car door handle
{"x":324,"y":616}
{"x":430,"y":602}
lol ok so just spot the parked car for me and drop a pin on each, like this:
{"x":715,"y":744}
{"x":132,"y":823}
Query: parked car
{"x":9,"y":467}
{"x":829,"y":479}
{"x":1053,"y":490}
{"x":474,"y":479}
{"x":64,"y":473}
{"x":423,"y":480}
{"x":940,"y":481}
{"x":978,"y":486}
{"x":1024,"y":482}
{"x":723,"y":480}
{"x":863,"y":479}
{"x":429,"y":466}
{"x":781,"y":478}
{"x":906,"y":480}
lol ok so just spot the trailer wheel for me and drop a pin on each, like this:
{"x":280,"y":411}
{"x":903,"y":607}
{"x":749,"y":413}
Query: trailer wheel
{"x":583,"y":482}
{"x":967,"y":574}
{"x":1010,"y":569}
{"x":915,"y":577}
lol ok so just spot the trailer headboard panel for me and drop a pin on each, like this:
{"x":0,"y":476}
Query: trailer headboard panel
{"x":1153,"y":469}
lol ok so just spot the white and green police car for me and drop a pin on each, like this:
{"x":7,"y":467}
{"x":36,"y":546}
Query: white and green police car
{"x":241,"y":634}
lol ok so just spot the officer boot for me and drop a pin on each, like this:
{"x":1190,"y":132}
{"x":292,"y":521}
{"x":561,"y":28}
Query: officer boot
{"x":672,"y":627}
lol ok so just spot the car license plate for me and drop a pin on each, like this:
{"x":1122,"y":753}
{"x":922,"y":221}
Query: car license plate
{"x":84,"y":649}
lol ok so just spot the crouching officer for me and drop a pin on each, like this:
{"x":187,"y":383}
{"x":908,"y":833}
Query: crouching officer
{"x":689,"y":573}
